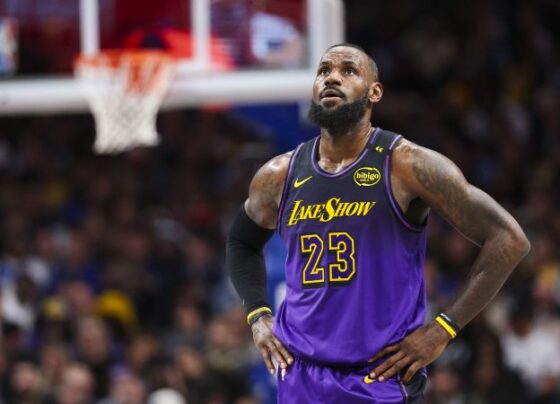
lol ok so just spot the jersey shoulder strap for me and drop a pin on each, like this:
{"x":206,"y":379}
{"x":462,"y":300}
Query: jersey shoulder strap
{"x":384,"y":142}
{"x":303,"y":157}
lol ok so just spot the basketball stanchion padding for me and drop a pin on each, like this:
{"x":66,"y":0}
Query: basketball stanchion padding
{"x":125,"y":90}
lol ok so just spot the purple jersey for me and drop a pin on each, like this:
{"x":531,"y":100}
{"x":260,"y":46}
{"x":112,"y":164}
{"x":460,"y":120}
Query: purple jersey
{"x":354,"y":269}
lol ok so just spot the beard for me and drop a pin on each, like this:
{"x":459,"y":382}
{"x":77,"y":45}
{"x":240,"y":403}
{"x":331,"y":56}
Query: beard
{"x":341,"y":118}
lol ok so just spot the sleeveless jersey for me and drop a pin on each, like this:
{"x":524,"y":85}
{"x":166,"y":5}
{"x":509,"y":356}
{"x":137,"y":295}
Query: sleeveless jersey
{"x":354,"y":266}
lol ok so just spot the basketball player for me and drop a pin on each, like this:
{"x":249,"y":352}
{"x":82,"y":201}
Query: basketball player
{"x":351,"y":206}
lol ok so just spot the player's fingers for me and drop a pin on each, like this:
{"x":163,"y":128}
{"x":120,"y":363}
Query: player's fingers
{"x":279,"y":358}
{"x":394,"y":369}
{"x":411,"y":371}
{"x":283,"y":351}
{"x":387,"y":363}
{"x":267,"y":360}
{"x":385,"y":351}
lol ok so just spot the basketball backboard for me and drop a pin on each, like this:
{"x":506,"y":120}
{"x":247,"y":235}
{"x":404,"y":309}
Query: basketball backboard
{"x":229,"y":51}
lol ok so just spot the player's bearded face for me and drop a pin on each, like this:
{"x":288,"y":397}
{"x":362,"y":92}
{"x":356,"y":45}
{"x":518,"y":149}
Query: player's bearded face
{"x":342,"y":117}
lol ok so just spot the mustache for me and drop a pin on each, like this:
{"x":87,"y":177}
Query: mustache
{"x":332,"y":91}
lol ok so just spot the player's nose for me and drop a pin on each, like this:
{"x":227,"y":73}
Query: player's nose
{"x":334,"y":78}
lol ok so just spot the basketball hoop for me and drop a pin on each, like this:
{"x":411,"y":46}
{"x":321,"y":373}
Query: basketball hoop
{"x":124,"y":90}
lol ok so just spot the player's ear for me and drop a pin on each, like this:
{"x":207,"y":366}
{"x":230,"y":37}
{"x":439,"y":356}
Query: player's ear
{"x":375,"y":92}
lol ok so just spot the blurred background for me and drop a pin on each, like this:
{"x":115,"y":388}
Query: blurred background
{"x":113,"y":287}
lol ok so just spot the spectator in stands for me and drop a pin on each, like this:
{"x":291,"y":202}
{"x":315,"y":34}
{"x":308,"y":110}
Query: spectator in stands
{"x":76,"y":387}
{"x":126,"y":389}
{"x":446,"y":387}
{"x":27,"y":385}
{"x":93,"y":349}
{"x":492,"y":380}
{"x":533,"y":348}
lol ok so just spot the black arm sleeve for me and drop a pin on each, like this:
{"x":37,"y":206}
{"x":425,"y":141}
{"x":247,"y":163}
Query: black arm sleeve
{"x":245,"y":260}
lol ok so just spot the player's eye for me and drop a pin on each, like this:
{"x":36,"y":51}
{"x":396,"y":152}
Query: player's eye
{"x":349,"y":71}
{"x":324,"y":71}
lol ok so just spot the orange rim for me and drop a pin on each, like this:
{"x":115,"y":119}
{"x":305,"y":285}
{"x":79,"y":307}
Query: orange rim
{"x":115,"y":57}
{"x":133,"y":61}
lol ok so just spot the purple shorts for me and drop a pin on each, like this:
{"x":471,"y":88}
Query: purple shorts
{"x":309,"y":383}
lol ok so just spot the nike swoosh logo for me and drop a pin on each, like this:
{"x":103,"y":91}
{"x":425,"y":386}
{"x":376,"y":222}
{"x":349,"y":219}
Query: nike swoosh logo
{"x":298,"y":183}
{"x":367,"y":380}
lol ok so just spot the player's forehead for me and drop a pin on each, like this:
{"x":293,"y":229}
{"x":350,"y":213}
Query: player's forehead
{"x":343,"y":55}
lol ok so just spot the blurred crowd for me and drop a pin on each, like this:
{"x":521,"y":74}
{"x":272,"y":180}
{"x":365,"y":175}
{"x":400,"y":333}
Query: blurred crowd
{"x":112,"y":274}
{"x":113,"y":288}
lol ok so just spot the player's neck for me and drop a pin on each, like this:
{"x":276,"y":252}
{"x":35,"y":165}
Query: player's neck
{"x":337,"y":146}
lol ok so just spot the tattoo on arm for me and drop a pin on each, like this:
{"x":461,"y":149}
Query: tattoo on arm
{"x":265,"y":191}
{"x":439,"y":183}
{"x":467,"y":208}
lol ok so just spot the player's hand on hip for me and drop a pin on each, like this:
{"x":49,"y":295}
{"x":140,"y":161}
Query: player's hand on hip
{"x":418,"y":349}
{"x":268,"y":345}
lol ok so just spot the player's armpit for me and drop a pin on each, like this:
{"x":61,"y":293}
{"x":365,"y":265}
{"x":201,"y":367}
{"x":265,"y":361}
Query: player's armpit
{"x":265,"y":191}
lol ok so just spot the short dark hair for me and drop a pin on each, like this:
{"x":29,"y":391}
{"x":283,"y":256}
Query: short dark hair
{"x":371,"y":62}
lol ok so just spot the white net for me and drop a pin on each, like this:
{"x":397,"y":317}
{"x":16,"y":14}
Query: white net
{"x":125,"y":90}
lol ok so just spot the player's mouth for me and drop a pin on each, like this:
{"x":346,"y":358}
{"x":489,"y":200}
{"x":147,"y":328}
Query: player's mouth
{"x":331,"y":94}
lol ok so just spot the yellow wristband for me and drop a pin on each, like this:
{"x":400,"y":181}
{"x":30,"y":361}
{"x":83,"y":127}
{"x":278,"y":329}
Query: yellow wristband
{"x":257,"y":311}
{"x":446,"y":326}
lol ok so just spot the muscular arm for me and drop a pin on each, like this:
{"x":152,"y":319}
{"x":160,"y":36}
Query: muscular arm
{"x":419,"y":174}
{"x":265,"y":191}
{"x":251,"y":229}
{"x":440,"y":184}
{"x":248,"y":235}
